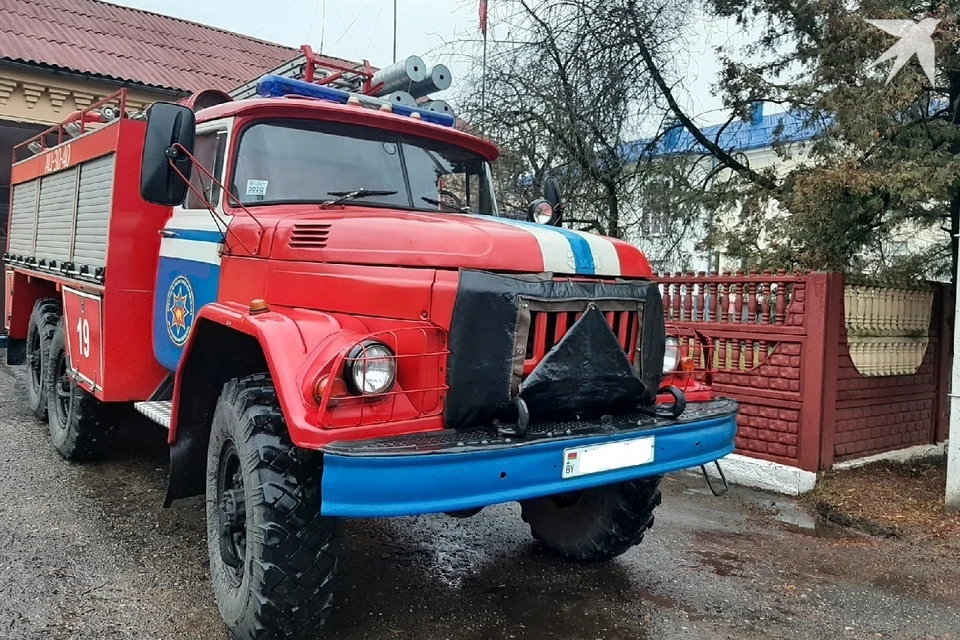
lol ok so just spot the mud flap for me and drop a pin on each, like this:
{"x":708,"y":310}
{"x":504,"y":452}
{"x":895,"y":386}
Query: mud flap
{"x":188,"y":465}
{"x":16,"y":351}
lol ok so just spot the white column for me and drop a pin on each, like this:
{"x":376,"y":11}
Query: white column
{"x":953,"y":457}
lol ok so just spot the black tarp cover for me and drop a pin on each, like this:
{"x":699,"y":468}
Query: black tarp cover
{"x":583,"y":372}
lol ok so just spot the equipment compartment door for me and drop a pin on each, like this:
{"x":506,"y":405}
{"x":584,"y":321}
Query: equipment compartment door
{"x":82,"y":322}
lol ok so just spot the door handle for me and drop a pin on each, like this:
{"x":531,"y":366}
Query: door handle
{"x":167,"y":233}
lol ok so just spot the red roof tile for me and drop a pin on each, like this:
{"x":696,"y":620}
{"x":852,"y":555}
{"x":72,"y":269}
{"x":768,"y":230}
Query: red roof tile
{"x":102,"y":39}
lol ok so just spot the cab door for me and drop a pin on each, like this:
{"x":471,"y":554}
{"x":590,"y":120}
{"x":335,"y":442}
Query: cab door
{"x":188,"y":271}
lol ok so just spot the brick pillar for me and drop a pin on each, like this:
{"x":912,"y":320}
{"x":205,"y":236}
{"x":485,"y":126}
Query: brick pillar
{"x":943,"y":317}
{"x":818,"y":376}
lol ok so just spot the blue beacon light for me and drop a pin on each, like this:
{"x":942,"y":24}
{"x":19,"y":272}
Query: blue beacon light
{"x":274,"y":86}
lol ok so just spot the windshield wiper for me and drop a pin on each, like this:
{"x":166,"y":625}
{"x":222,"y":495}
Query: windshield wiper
{"x":450,"y":207}
{"x":343,"y":196}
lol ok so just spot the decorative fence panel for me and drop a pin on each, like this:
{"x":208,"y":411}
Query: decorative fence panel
{"x":756,"y":324}
{"x":893,"y":369}
{"x":780,"y":348}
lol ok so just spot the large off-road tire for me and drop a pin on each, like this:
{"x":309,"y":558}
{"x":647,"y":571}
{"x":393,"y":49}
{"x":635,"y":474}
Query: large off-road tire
{"x":594,"y":524}
{"x":81,"y":427}
{"x":43,"y":323}
{"x":272,"y":555}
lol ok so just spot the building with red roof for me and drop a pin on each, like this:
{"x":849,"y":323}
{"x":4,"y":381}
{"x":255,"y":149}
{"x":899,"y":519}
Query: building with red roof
{"x":57,"y":56}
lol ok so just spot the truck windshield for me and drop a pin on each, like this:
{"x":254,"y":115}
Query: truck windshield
{"x":310,"y":161}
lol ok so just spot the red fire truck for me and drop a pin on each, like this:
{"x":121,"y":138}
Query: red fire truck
{"x":322,"y":303}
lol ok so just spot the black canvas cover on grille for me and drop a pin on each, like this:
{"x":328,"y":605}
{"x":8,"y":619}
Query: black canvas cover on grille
{"x":565,"y":382}
{"x":483,"y":347}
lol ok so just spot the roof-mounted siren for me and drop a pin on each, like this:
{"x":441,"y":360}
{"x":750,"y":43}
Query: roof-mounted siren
{"x":203,"y":99}
{"x":401,"y":97}
{"x":438,"y":106}
{"x":274,"y":86}
{"x":399,"y":76}
{"x":438,"y":79}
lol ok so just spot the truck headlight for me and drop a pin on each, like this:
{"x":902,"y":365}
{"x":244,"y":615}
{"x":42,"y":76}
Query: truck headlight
{"x":671,"y":354}
{"x":371,"y":368}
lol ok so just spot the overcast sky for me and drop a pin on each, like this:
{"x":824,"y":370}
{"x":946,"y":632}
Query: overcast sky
{"x":432,"y":29}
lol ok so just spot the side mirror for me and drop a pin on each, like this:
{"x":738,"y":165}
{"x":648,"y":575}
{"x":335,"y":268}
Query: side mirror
{"x":167,"y":125}
{"x":548,"y":210}
{"x":551,"y":191}
{"x":542,"y":212}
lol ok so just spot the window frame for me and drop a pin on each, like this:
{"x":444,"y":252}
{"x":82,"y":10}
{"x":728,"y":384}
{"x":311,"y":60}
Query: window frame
{"x":222,"y":134}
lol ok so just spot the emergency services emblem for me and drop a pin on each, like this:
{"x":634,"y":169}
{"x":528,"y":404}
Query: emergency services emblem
{"x":179,"y":310}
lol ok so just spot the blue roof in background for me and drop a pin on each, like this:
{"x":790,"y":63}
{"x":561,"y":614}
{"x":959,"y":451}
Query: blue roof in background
{"x":762,"y":131}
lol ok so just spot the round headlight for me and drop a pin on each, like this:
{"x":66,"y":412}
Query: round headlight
{"x":371,"y":368}
{"x":671,"y":354}
{"x":540,"y":211}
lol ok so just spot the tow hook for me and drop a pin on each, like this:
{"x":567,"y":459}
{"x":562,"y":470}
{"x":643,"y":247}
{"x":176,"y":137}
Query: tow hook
{"x":519,"y":429}
{"x":672,"y":411}
{"x":717,"y":492}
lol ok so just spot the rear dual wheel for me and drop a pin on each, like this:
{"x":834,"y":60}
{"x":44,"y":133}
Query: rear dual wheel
{"x":43,"y":324}
{"x":81,"y":427}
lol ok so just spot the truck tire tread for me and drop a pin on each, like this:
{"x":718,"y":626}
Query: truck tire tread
{"x":616,"y":520}
{"x":43,"y":319}
{"x":291,"y":586}
{"x":91,"y":424}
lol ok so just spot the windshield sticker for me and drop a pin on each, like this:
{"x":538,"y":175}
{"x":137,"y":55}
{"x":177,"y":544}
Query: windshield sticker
{"x":257,"y":187}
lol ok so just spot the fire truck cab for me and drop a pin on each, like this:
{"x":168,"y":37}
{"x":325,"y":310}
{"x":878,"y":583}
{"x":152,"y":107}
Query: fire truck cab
{"x":323,"y":304}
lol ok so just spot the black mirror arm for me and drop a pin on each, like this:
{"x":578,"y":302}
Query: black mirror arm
{"x":177,"y":149}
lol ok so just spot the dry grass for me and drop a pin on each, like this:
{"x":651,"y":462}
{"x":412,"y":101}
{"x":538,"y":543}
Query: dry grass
{"x":901,"y":500}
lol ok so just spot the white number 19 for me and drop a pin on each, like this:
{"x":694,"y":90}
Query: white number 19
{"x":83,"y":337}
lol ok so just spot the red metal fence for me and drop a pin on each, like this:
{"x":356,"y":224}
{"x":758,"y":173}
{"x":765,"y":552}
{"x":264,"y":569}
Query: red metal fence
{"x":780,"y":348}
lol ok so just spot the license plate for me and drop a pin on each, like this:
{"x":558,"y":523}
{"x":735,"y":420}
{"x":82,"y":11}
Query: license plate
{"x":581,"y":461}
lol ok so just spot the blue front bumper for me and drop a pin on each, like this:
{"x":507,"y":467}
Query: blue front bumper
{"x":403,"y":476}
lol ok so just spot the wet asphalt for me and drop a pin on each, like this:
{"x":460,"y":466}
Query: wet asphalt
{"x":88,"y":552}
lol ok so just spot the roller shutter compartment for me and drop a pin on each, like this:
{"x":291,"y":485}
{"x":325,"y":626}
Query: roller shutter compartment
{"x":23,"y":214}
{"x":93,"y":212}
{"x":58,"y":197}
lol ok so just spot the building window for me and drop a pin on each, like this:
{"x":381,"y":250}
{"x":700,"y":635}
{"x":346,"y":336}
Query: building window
{"x":655,"y":221}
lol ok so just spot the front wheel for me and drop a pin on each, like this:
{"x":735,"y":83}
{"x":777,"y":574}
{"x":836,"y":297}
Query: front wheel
{"x":272,"y":557}
{"x":81,"y":427}
{"x":594,"y":524}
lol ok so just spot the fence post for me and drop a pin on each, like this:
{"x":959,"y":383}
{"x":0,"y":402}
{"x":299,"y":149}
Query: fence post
{"x":823,"y":315}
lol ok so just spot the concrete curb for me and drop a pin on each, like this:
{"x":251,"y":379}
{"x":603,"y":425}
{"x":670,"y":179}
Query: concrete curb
{"x":766,"y":475}
{"x":900,"y":455}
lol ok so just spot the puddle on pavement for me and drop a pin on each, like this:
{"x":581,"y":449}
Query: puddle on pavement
{"x":798,"y":520}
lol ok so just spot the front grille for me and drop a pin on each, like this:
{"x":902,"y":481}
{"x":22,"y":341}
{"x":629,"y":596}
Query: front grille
{"x":309,"y":235}
{"x":548,"y":327}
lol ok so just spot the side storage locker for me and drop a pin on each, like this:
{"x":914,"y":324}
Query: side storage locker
{"x":58,"y":198}
{"x":93,"y":212}
{"x":23,"y":218}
